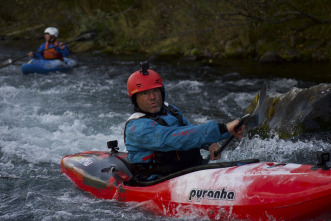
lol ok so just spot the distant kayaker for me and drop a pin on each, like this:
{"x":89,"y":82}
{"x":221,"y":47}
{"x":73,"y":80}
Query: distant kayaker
{"x":51,"y":49}
{"x":158,"y":138}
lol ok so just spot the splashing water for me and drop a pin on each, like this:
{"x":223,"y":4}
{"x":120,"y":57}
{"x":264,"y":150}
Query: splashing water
{"x":45,"y":117}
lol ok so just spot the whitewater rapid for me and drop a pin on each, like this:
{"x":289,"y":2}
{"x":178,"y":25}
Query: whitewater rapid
{"x":45,"y":117}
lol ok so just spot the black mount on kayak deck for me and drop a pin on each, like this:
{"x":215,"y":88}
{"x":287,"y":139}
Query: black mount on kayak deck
{"x":322,"y":159}
{"x":113,"y":146}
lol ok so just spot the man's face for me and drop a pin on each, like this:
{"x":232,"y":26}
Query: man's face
{"x":150,"y":101}
{"x":49,"y":38}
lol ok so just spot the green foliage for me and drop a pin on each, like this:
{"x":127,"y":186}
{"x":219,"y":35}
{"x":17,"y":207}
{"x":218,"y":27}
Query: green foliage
{"x":215,"y":28}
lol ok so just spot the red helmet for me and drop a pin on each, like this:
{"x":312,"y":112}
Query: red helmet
{"x":139,"y":81}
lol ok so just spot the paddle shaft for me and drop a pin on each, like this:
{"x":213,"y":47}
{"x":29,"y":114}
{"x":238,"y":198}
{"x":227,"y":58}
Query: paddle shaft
{"x":237,"y":128}
{"x":87,"y":36}
{"x":24,"y":56}
{"x":247,"y":117}
{"x":218,"y":152}
{"x":65,"y":43}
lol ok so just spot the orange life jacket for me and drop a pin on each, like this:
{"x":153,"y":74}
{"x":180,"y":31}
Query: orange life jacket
{"x":51,"y":53}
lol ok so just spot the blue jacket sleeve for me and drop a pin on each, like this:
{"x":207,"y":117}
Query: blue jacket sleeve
{"x":39,"y":54}
{"x":65,"y":52}
{"x":149,"y":135}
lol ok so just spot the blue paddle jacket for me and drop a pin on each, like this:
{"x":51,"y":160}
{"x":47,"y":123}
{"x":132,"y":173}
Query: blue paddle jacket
{"x":144,"y":136}
{"x":39,"y":55}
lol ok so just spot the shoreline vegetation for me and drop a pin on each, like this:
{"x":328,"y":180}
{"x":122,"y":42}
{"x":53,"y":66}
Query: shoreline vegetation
{"x":272,"y":31}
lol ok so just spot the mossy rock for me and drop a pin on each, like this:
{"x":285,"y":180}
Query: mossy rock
{"x":297,"y":112}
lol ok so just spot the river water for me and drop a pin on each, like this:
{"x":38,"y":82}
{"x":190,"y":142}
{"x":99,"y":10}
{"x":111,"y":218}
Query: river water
{"x":45,"y":117}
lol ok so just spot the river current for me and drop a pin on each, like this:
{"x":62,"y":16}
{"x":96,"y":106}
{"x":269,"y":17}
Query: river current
{"x":45,"y":117}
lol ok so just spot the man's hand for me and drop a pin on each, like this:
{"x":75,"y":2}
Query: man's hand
{"x":231,"y":128}
{"x":212,"y":149}
{"x":62,"y":45}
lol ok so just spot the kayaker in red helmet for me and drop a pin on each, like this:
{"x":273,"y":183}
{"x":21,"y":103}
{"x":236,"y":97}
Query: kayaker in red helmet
{"x":51,"y":49}
{"x":158,"y":138}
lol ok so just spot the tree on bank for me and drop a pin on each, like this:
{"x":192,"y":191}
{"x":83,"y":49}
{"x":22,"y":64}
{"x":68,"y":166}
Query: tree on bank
{"x":283,"y":30}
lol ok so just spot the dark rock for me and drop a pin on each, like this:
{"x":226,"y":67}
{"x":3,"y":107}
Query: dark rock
{"x":271,"y":57}
{"x":299,"y":111}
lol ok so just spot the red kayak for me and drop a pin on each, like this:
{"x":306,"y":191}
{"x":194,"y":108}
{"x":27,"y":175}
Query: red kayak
{"x":240,"y":190}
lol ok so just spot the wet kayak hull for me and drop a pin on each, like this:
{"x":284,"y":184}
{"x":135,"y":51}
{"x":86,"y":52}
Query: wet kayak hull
{"x":254,"y":191}
{"x":41,"y":66}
